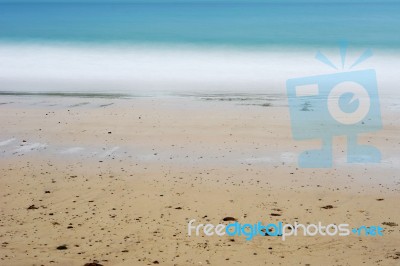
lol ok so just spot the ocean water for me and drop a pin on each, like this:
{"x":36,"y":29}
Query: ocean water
{"x":185,"y":45}
{"x":233,"y":24}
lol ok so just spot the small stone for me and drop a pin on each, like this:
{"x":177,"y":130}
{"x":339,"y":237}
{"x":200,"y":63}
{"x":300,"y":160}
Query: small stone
{"x":94,"y":263}
{"x":390,"y":224}
{"x":229,"y":219}
{"x":62,"y":247}
{"x":33,"y":207}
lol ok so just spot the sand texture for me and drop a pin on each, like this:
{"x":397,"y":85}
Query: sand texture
{"x":115,"y":181}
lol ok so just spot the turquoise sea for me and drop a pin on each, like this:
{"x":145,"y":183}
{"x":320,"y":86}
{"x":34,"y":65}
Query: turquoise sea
{"x":204,"y":23}
{"x":184,"y":45}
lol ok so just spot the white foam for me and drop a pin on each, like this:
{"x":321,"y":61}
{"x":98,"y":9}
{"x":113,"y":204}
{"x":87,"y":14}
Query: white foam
{"x":108,"y":152}
{"x":31,"y":147}
{"x":288,"y":157}
{"x":72,"y":150}
{"x":6,"y":142}
{"x":259,"y":160}
{"x":33,"y":67}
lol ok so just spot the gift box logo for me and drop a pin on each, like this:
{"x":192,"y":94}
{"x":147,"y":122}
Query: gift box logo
{"x":343,"y":103}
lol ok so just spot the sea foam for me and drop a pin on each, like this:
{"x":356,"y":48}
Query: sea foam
{"x":115,"y":68}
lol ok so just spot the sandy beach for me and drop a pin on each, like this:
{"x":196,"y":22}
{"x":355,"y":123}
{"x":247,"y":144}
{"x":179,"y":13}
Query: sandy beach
{"x":191,"y":132}
{"x":115,"y":181}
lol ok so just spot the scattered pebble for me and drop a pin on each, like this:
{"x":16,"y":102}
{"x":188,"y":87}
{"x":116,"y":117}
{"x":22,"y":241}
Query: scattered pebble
{"x":62,"y":247}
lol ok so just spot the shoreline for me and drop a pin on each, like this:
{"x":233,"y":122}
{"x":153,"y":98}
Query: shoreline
{"x":151,"y":164}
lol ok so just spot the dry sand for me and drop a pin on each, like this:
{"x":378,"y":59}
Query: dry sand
{"x":117,"y":180}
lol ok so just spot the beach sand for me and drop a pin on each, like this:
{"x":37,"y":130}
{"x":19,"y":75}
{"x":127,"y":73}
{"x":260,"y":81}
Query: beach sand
{"x":116,"y":181}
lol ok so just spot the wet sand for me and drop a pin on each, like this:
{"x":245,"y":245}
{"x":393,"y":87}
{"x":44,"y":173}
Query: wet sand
{"x":115,"y":181}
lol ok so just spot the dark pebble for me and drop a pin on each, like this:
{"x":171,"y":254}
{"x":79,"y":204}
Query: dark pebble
{"x":62,"y":247}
